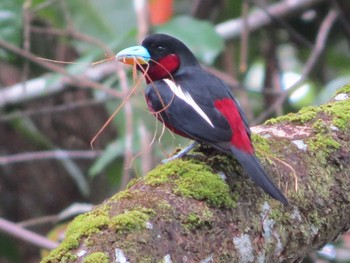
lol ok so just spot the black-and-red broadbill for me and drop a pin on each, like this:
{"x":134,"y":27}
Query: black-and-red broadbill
{"x":195,"y":104}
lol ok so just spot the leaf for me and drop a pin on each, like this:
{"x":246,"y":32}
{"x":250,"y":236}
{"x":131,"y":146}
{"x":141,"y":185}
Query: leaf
{"x":10,"y":23}
{"x":199,"y":36}
{"x":113,"y":150}
{"x":114,"y":173}
{"x":107,"y":20}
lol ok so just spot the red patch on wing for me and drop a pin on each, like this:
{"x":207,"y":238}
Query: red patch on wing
{"x":163,"y":68}
{"x":240,"y":138}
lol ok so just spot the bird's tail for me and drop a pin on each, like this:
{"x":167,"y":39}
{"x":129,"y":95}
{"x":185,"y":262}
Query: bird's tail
{"x":252,"y":166}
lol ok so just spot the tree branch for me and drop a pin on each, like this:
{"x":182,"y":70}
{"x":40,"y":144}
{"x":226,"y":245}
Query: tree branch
{"x":257,"y":19}
{"x":26,"y":235}
{"x":200,"y":208}
{"x":319,"y":46}
{"x":45,"y":155}
{"x":45,"y":85}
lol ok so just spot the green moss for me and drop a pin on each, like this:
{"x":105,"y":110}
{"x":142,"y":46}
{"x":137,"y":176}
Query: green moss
{"x":279,"y":216}
{"x":197,"y":220}
{"x":161,"y":173}
{"x":339,"y":111}
{"x":261,"y":145}
{"x":223,"y":163}
{"x":135,"y":219}
{"x":164,"y":206}
{"x":87,"y":224}
{"x":316,"y":220}
{"x":304,"y":115}
{"x":121,"y":195}
{"x":320,"y":126}
{"x":324,"y":142}
{"x":146,"y":259}
{"x":344,"y":89}
{"x":132,"y":182}
{"x":204,"y":185}
{"x":82,"y":225}
{"x":193,"y":180}
{"x":99,"y":257}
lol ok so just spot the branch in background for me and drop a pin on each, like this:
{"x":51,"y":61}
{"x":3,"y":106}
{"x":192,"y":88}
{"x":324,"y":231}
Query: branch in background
{"x":231,"y":81}
{"x":18,"y":231}
{"x":70,"y":79}
{"x":44,"y":86}
{"x":141,"y":11}
{"x":343,"y":17}
{"x":45,"y":155}
{"x":73,"y":34}
{"x":129,"y":131}
{"x":50,"y":219}
{"x":293,"y":34}
{"x":146,"y":148}
{"x":27,"y":18}
{"x":257,"y":19}
{"x":53,"y":109}
{"x":311,"y":62}
{"x":26,"y":235}
{"x":243,"y":63}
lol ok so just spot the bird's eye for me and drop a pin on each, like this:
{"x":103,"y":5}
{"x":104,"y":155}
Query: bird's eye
{"x":160,"y":49}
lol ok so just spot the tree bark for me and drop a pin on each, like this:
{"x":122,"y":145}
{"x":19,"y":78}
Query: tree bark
{"x":202,"y":208}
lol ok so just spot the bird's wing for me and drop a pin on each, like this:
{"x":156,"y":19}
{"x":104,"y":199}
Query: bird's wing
{"x":189,"y":106}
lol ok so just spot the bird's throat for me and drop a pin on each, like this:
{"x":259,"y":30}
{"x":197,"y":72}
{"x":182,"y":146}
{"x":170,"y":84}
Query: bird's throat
{"x":163,"y":68}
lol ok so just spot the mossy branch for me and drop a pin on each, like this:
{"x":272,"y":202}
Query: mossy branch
{"x":200,"y":209}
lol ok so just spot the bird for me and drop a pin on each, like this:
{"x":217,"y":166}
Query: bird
{"x":195,"y":104}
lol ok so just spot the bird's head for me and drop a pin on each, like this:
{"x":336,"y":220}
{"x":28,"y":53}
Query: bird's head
{"x":160,"y":55}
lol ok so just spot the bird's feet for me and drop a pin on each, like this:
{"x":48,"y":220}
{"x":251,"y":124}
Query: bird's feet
{"x":181,"y":153}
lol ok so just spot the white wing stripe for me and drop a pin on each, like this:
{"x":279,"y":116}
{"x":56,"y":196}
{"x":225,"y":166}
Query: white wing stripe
{"x":186,"y":97}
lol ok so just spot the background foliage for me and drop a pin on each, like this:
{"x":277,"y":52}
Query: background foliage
{"x":46,"y":162}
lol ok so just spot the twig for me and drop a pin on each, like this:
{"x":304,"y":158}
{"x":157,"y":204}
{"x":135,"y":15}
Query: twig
{"x":142,"y":24}
{"x":129,"y":132}
{"x":342,"y":17}
{"x":45,"y":155}
{"x":53,"y":109}
{"x":141,"y":10}
{"x":68,"y":213}
{"x":257,"y":19}
{"x":280,"y":21}
{"x":146,"y":148}
{"x":51,"y":219}
{"x":44,"y":86}
{"x":73,"y":34}
{"x":27,"y":17}
{"x":315,"y":54}
{"x":231,"y":81}
{"x":26,"y":235}
{"x":43,"y":5}
{"x":244,"y":38}
{"x":80,"y":82}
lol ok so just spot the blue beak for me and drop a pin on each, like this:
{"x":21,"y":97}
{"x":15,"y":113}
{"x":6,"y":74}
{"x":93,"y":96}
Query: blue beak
{"x":130,"y":55}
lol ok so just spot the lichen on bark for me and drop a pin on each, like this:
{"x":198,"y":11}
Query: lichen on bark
{"x":203,"y":207}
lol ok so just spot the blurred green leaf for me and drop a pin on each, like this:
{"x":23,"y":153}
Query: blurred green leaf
{"x":115,"y":173}
{"x":105,"y":20}
{"x":113,"y":150}
{"x":10,"y":23}
{"x":49,"y":13}
{"x":28,"y":130}
{"x":8,"y":249}
{"x":198,"y":35}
